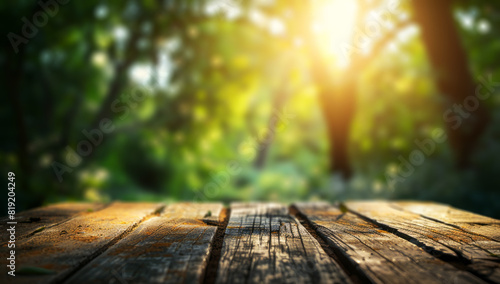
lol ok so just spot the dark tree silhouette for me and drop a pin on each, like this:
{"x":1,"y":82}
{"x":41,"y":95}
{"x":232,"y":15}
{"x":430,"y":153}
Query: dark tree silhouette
{"x":453,"y":77}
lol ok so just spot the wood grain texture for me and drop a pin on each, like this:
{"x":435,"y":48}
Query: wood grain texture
{"x":376,"y":254}
{"x":263,"y":243}
{"x":47,"y":216}
{"x":376,"y":241}
{"x":171,"y":248}
{"x":65,"y":247}
{"x":477,"y":253}
{"x":446,"y":214}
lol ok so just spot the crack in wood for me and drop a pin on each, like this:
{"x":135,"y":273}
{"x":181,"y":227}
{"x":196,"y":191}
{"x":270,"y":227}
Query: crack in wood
{"x":376,"y":251}
{"x":358,"y":242}
{"x":216,"y":248}
{"x":264,"y":243}
{"x":46,"y":220}
{"x":354,"y":274}
{"x":458,"y":260}
{"x":451,"y":225}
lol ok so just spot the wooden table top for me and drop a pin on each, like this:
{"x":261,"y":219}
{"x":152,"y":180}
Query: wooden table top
{"x":352,"y":242}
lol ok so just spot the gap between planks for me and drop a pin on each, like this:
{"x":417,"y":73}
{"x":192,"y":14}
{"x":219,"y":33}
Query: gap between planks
{"x":96,"y":254}
{"x":371,"y":249}
{"x":67,"y":246}
{"x":444,"y":244}
{"x":170,"y":248}
{"x":265,"y":243}
{"x":332,"y":252}
{"x":212,"y":266}
{"x":459,"y":219}
{"x":216,"y":248}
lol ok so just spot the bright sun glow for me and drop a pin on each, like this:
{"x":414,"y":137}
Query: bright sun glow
{"x":334,"y":25}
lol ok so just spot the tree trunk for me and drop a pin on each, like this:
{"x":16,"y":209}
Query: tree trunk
{"x":449,"y":61}
{"x":264,"y":142}
{"x":338,"y":107}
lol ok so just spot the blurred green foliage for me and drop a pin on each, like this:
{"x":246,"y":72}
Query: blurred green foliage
{"x":190,"y":87}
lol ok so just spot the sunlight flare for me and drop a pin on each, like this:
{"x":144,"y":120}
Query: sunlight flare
{"x":333,"y":23}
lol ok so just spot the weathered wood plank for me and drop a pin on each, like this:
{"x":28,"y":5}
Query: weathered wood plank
{"x":375,"y":254}
{"x":65,"y":247}
{"x":171,"y":248}
{"x":263,"y":243}
{"x":475,"y":252}
{"x":468,"y":221}
{"x":45,"y":217}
